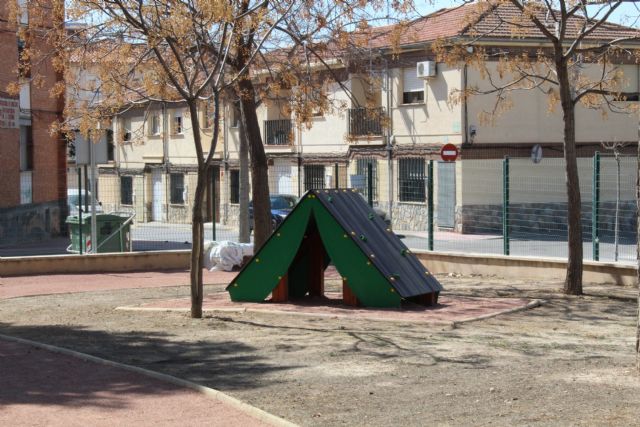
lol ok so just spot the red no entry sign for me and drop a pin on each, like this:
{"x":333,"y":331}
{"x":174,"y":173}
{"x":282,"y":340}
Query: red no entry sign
{"x":449,"y":153}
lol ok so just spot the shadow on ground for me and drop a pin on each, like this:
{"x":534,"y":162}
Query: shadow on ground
{"x":29,"y":375}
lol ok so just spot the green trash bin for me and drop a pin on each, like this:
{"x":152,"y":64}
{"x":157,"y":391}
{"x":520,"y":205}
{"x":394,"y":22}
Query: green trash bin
{"x":112,"y":235}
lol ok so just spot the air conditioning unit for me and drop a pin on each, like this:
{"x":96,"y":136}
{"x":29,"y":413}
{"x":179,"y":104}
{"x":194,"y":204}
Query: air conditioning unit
{"x":426,"y":69}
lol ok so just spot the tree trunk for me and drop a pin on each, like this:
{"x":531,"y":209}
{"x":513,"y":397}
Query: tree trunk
{"x":243,"y":154}
{"x":197,"y":236}
{"x":573,"y":280}
{"x":197,"y":218}
{"x":259,"y":168}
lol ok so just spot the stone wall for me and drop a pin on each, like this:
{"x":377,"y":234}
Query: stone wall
{"x":31,"y":223}
{"x":543,"y":219}
{"x":407,"y":216}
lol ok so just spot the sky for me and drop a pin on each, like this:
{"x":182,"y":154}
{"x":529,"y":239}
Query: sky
{"x":625,"y":14}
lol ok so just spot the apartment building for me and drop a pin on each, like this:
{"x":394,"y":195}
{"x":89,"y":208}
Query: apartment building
{"x":394,"y":115}
{"x":32,"y":160}
{"x":400,"y":114}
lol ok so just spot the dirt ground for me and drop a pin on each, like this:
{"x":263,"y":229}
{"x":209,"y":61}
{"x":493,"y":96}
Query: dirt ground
{"x":570,"y":361}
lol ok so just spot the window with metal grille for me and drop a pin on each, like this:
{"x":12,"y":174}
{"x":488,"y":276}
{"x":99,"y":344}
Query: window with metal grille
{"x":126,"y":190}
{"x":313,"y":177}
{"x":110,"y":146}
{"x":154,"y":124}
{"x":362,"y":169}
{"x":411,"y":179}
{"x":177,"y":128}
{"x":234,"y":186}
{"x":412,"y":87}
{"x":176,"y":181}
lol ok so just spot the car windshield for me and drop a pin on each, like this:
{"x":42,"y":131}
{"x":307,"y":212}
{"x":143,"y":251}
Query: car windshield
{"x":282,"y":202}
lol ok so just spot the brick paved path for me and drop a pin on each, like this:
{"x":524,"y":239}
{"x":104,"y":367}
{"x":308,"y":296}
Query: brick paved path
{"x":43,"y":388}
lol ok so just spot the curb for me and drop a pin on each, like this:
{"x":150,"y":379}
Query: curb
{"x":254,"y":412}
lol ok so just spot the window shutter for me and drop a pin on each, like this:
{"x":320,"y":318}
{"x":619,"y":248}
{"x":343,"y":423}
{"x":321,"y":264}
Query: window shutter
{"x":410,"y":81}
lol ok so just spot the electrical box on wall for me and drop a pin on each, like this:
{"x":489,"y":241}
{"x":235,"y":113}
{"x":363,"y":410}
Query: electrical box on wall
{"x":426,"y":69}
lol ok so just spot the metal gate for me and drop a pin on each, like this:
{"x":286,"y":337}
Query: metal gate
{"x":446,"y":194}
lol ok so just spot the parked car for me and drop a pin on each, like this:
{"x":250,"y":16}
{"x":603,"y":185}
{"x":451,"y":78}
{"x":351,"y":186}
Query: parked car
{"x":281,"y":205}
{"x":75,"y":199}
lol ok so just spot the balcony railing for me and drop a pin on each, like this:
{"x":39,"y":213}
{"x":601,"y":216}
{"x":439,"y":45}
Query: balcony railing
{"x":277,"y":132}
{"x":365,"y":121}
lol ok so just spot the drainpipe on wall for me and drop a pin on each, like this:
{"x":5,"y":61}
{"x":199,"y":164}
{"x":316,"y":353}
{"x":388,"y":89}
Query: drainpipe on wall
{"x":165,"y":162}
{"x":465,"y":118}
{"x":391,"y":138}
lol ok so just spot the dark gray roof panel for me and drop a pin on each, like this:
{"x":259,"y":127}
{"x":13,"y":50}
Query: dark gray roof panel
{"x":387,"y":252}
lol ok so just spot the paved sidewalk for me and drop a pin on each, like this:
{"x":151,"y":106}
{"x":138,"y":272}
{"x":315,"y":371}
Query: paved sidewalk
{"x":12,"y":287}
{"x":43,"y":388}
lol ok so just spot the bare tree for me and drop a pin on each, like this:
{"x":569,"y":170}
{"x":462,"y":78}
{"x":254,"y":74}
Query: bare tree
{"x":175,"y":52}
{"x":576,"y":63}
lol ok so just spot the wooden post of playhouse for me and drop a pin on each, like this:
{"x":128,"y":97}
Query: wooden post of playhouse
{"x":348,"y":297}
{"x":281,"y":292}
{"x":316,"y":265}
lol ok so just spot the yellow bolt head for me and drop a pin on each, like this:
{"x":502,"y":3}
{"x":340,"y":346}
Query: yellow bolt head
{"x":353,"y":233}
{"x":279,"y":277}
{"x":278,"y":234}
{"x":368,"y":262}
{"x":235,"y":285}
{"x":257,"y":259}
{"x":345,"y":236}
{"x":392,"y":290}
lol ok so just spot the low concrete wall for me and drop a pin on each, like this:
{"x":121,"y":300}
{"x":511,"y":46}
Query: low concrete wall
{"x":525,"y":268}
{"x":99,"y":263}
{"x":437,"y":262}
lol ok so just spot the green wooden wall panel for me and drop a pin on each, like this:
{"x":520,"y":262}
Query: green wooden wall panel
{"x":262,"y":274}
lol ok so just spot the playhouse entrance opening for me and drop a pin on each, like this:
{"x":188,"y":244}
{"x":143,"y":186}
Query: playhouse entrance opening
{"x":305,"y":278}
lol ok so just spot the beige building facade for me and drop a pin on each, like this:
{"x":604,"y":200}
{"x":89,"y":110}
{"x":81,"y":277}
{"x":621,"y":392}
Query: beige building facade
{"x":396,"y":120}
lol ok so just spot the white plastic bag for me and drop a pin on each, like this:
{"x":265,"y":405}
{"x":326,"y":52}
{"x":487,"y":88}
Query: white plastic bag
{"x":225,"y":255}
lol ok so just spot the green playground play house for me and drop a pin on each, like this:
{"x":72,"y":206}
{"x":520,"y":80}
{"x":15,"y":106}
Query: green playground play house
{"x":335,"y":226}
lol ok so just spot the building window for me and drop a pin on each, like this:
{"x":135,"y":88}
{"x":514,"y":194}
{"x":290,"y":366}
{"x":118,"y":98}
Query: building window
{"x":234,"y":113}
{"x":154,"y":125}
{"x":313,"y":177}
{"x":362,"y":169}
{"x":126,"y":190}
{"x":24,"y":65}
{"x":411,"y":179}
{"x":176,"y":124}
{"x":177,"y":188}
{"x":126,"y":129}
{"x":207,"y":114}
{"x":234,"y":186}
{"x":26,"y":148}
{"x":110,"y":146}
{"x":412,"y":87}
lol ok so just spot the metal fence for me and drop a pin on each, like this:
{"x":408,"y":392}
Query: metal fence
{"x":509,"y":206}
